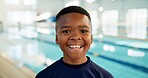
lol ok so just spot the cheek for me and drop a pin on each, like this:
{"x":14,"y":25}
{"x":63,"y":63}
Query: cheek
{"x":62,"y":39}
{"x":88,"y":39}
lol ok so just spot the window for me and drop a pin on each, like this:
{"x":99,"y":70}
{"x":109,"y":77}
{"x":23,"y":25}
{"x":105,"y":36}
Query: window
{"x":136,"y":21}
{"x":13,"y":2}
{"x":29,"y":2}
{"x":95,"y":21}
{"x":110,"y":22}
{"x":25,"y":17}
{"x":74,"y":2}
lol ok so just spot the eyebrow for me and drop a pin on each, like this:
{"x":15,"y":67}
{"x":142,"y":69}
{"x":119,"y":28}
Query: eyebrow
{"x":84,"y":26}
{"x":64,"y":27}
{"x":81,"y":26}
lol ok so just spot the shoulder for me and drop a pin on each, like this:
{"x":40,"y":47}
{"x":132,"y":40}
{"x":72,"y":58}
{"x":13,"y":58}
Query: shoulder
{"x":104,"y":73}
{"x":48,"y":71}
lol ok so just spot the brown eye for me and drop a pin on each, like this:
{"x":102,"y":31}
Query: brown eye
{"x":65,"y":31}
{"x":84,"y":31}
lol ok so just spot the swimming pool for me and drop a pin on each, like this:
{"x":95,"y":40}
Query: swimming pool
{"x":121,"y":61}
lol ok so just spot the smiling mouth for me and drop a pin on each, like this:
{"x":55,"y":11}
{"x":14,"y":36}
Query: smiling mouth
{"x":75,"y":46}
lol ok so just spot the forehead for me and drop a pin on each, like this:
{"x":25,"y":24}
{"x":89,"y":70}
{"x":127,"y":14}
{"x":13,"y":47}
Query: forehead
{"x":73,"y":19}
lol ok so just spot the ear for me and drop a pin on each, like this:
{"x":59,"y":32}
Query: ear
{"x":91,"y":38}
{"x":57,"y":40}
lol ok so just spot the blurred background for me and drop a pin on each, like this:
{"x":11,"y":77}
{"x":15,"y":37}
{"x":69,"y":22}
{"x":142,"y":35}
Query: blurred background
{"x":27,"y":36}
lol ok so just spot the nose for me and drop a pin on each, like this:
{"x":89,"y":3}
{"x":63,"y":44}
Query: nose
{"x":75,"y":36}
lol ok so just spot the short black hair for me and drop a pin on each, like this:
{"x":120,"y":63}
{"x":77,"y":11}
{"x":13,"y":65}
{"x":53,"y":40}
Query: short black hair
{"x":72,"y":9}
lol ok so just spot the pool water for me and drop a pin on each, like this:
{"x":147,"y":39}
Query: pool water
{"x":38,"y":53}
{"x":121,"y":61}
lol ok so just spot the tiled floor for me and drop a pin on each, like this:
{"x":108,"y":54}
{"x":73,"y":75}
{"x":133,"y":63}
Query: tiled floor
{"x":8,"y":69}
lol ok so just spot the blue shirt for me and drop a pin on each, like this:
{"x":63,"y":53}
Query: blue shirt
{"x":60,"y":69}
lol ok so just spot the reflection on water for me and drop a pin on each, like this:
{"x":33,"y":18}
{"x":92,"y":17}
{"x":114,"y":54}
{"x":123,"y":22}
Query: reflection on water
{"x":135,"y":53}
{"x":28,"y":54}
{"x":109,"y":48}
{"x":12,"y":36}
{"x":31,"y":49}
{"x":16,"y":52}
{"x":29,"y":32}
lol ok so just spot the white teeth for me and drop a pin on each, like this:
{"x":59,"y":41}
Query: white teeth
{"x":75,"y":46}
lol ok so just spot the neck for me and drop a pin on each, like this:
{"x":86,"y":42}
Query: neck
{"x":75,"y":61}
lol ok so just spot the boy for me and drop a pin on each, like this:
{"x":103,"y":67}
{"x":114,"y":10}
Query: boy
{"x":74,"y":36}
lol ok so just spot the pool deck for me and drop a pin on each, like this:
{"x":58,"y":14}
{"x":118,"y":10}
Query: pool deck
{"x":9,"y":69}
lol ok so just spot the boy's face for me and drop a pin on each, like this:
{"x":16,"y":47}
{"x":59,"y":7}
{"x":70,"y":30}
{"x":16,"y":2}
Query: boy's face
{"x":74,"y":35}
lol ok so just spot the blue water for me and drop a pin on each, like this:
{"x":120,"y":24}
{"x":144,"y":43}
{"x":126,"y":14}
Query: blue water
{"x":121,"y":61}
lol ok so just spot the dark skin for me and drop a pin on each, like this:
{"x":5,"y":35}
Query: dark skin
{"x":73,"y":34}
